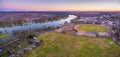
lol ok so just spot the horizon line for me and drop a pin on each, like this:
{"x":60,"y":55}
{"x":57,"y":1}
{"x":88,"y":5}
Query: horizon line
{"x":59,"y":11}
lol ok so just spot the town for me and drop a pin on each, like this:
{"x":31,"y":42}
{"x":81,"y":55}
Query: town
{"x":31,"y":31}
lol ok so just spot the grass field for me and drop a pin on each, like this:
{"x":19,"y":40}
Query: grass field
{"x":92,"y":28}
{"x":66,"y":45}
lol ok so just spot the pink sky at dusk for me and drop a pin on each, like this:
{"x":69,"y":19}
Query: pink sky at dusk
{"x":57,"y":5}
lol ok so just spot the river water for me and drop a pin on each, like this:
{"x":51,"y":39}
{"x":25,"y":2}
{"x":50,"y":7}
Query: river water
{"x":33,"y":25}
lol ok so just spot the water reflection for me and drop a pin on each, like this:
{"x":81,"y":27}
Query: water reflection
{"x":33,"y":25}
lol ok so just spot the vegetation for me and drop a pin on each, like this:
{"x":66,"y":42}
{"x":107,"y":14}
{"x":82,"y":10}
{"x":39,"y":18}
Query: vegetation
{"x":20,"y":45}
{"x":92,"y":28}
{"x":66,"y":45}
{"x":7,"y":51}
{"x":3,"y":35}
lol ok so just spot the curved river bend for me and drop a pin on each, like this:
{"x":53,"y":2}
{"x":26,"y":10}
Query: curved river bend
{"x":27,"y":26}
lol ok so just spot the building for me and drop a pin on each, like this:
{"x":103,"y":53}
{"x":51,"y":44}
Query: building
{"x":91,"y":34}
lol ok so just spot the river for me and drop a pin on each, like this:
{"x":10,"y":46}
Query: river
{"x":33,"y":25}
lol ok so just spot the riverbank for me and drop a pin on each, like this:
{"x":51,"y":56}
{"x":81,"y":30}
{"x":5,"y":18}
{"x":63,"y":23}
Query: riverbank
{"x":26,"y":28}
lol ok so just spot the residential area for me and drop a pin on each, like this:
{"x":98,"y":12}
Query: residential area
{"x":30,"y":36}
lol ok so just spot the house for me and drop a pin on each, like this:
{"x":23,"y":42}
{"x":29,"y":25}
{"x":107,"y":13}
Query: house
{"x":91,"y":34}
{"x":102,"y":34}
{"x":69,"y":29}
{"x":59,"y":30}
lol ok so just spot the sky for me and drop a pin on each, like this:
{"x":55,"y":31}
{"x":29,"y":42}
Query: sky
{"x":59,"y":5}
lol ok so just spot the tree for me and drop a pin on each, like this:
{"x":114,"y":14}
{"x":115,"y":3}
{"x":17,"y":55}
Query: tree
{"x":31,"y":36}
{"x":40,"y":43}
